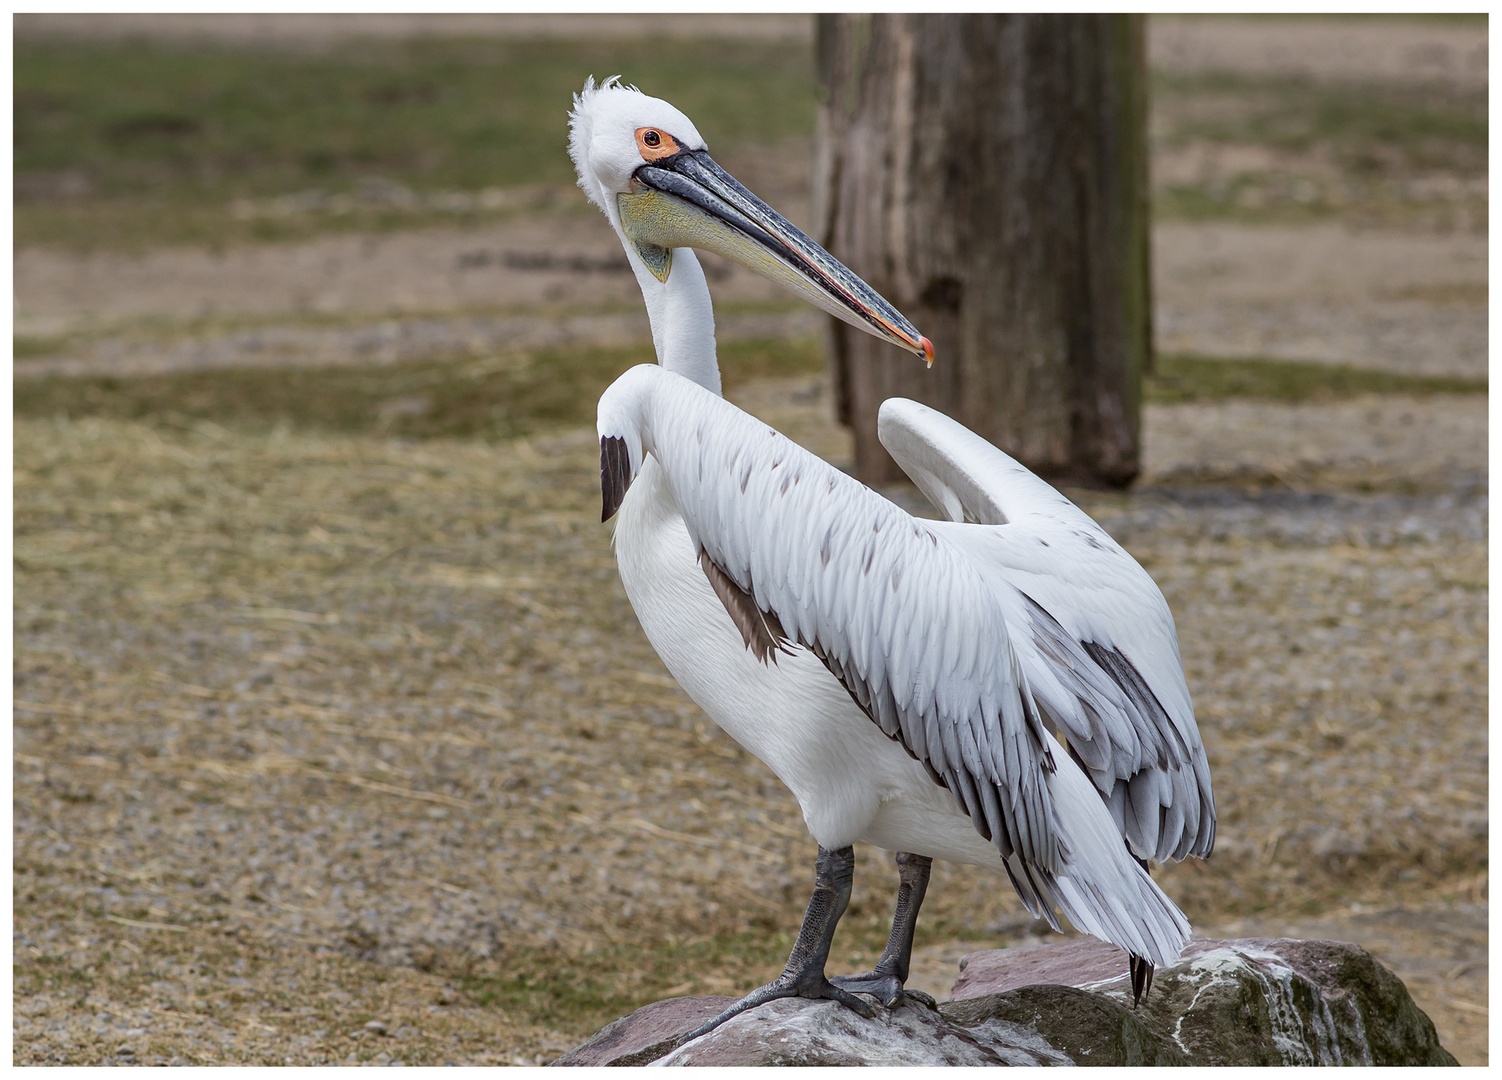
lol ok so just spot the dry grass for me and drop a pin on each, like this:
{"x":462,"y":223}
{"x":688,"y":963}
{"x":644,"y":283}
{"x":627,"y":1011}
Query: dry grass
{"x":316,"y":729}
{"x":309,"y":694}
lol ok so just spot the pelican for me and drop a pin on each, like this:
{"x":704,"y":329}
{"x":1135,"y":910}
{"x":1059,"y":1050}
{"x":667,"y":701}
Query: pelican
{"x":1002,"y":688}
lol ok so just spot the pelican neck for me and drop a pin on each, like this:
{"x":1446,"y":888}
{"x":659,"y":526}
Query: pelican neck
{"x":682,"y":317}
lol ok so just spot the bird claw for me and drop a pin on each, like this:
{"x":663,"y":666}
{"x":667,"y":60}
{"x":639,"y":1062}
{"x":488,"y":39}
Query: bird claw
{"x":884,"y":988}
{"x":785,"y":987}
{"x":926,"y":1000}
{"x":851,"y":1001}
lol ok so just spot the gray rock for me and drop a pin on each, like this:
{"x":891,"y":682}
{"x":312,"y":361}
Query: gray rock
{"x":1255,"y":1001}
{"x":795,"y":1031}
{"x":647,"y":1034}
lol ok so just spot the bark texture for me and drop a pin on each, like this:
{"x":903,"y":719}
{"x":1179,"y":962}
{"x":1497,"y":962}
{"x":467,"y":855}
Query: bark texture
{"x":988,"y":175}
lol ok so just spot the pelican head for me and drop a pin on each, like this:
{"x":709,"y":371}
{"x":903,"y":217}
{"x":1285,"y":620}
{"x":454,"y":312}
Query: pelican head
{"x":645,"y":165}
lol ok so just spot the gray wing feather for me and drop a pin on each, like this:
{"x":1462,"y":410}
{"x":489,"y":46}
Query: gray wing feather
{"x":916,"y":631}
{"x":872,"y":592}
{"x":1092,"y":630}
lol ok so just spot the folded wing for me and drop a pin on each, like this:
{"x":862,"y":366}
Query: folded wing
{"x":1091,"y":629}
{"x":799,"y":552}
{"x":897,"y":615}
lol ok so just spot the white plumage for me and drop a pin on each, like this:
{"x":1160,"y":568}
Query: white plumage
{"x":1005,"y":692}
{"x":917,"y":628}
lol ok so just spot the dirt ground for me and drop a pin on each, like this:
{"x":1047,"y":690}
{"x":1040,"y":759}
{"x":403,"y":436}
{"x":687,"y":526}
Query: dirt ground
{"x":1322,"y":50}
{"x":346,"y":749}
{"x":1401,"y":301}
{"x":316,"y":732}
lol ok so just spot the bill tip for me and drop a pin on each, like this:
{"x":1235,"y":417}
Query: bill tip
{"x":928,"y":352}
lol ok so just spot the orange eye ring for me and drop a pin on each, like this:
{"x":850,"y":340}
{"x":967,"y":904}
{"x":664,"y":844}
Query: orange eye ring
{"x":655,"y":144}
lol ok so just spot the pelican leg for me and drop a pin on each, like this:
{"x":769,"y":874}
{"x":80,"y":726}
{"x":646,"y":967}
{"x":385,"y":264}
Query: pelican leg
{"x":1139,"y":967}
{"x":834,"y":872}
{"x":886,"y":982}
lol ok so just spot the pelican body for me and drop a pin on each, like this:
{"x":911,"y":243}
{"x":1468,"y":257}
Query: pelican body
{"x":1006,"y":693}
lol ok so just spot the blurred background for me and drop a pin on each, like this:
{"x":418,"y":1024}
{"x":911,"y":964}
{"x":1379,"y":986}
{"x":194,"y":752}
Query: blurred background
{"x":335,"y":737}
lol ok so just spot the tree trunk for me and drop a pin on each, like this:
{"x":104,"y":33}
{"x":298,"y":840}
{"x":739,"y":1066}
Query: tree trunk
{"x":988,"y":175}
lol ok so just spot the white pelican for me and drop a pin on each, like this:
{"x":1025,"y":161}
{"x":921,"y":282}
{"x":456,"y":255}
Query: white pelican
{"x":1006,"y":693}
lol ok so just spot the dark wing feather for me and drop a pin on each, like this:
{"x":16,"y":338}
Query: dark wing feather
{"x":1156,"y":783}
{"x":762,"y":632}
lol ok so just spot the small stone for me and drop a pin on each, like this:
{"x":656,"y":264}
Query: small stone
{"x":445,"y":996}
{"x":375,"y":1027}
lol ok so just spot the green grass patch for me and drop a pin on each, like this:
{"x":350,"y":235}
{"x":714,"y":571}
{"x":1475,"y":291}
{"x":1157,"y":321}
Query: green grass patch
{"x":126,"y":142}
{"x":1370,"y":127}
{"x":27,"y":346}
{"x":1180,"y":378}
{"x":579,"y":994}
{"x":507,"y":397}
{"x":1370,"y":153}
{"x":494,"y":398}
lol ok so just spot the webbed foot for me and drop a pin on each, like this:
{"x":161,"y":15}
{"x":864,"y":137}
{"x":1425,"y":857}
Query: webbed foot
{"x":811,"y":985}
{"x":885,"y":988}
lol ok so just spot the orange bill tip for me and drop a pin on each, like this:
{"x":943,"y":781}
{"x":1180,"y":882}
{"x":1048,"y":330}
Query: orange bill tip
{"x":928,"y":352}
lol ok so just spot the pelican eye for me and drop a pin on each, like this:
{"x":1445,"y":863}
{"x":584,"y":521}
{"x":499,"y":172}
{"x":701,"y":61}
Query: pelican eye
{"x":655,"y":144}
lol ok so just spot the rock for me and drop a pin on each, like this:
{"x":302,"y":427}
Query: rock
{"x":647,"y":1034}
{"x":1253,"y":1001}
{"x":795,"y":1031}
{"x":1257,"y":1001}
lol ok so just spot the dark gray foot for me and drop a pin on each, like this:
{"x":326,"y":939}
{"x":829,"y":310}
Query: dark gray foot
{"x":885,"y":988}
{"x":804,"y":974}
{"x":786,"y":986}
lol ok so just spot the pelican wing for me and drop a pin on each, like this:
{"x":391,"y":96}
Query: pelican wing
{"x":895,"y":612}
{"x":1091,"y":629}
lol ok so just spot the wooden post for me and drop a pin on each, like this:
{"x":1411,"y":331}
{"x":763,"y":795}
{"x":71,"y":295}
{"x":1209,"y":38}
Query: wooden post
{"x":988,"y":175}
